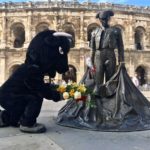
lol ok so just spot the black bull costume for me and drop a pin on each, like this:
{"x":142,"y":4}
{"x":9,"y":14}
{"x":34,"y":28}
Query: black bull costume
{"x":116,"y":105}
{"x":22,"y":94}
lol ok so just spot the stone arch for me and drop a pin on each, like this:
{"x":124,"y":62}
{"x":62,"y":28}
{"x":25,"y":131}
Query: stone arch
{"x":71,"y":74}
{"x":91,"y":28}
{"x":69,"y":28}
{"x":141,"y":72}
{"x":42,"y":26}
{"x":11,"y":64}
{"x":139,"y":37}
{"x":18,"y":34}
{"x":13,"y":68}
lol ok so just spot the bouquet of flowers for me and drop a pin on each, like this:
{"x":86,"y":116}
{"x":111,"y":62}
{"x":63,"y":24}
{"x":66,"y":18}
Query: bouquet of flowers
{"x":74,"y":91}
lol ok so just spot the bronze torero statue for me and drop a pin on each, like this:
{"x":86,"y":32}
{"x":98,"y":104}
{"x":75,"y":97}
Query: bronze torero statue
{"x":116,"y":105}
{"x":103,"y":42}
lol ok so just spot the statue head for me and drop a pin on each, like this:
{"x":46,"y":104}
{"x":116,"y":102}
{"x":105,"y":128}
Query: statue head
{"x":104,"y":17}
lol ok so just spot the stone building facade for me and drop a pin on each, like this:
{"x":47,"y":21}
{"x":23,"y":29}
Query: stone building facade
{"x":20,"y":22}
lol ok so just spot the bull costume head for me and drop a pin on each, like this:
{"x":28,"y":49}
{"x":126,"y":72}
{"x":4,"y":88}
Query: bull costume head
{"x":49,"y":50}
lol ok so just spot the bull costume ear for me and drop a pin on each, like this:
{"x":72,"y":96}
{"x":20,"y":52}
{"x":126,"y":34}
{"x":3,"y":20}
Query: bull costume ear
{"x":63,"y":34}
{"x":51,"y":41}
{"x":56,"y":38}
{"x":65,"y":40}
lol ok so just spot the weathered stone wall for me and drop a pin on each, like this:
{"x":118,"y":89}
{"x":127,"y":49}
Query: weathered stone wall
{"x":74,"y":18}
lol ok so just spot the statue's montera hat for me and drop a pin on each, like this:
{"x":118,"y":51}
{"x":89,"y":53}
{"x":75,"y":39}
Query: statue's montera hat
{"x":105,"y":14}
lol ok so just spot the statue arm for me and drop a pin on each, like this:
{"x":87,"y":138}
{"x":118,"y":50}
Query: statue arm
{"x":92,"y":56}
{"x":120,"y":47}
{"x":93,"y":47}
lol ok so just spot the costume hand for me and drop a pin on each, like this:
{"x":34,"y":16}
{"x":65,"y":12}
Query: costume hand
{"x":49,"y":92}
{"x":58,"y":97}
{"x":61,"y":97}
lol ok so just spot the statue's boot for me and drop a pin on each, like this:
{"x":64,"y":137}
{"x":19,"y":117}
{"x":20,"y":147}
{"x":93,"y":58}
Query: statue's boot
{"x":36,"y":128}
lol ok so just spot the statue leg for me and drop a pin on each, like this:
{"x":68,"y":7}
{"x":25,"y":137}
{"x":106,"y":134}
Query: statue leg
{"x":110,"y":66}
{"x":99,"y":77}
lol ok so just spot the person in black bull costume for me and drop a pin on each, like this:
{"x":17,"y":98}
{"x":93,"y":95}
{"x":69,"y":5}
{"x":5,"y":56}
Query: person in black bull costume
{"x":103,"y":42}
{"x":22,"y":94}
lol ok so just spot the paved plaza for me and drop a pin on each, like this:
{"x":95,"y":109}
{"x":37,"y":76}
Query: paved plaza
{"x":64,"y":138}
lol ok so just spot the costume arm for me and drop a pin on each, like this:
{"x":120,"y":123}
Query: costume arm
{"x":49,"y":92}
{"x":35,"y":83}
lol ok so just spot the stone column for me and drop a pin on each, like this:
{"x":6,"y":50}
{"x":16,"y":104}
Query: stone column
{"x":147,"y":37}
{"x":4,"y":29}
{"x":2,"y":66}
{"x":28,"y":30}
{"x":56,"y":22}
{"x":82,"y":30}
{"x":131,"y":45}
{"x":131,"y":33}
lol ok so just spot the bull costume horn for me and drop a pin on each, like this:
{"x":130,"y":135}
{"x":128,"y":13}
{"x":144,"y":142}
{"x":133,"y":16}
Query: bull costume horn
{"x":64,"y":34}
{"x":58,"y":34}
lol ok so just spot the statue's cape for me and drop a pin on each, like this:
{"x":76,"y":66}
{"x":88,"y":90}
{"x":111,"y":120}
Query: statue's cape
{"x":120,"y":107}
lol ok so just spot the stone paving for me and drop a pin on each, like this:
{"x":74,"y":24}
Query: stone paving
{"x":64,"y":138}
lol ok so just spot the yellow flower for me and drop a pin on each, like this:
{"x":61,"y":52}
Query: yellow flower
{"x":82,"y":88}
{"x":74,"y":84}
{"x":61,"y":89}
{"x":72,"y":93}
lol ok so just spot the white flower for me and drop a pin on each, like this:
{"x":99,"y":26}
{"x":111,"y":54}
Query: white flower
{"x":64,"y":84}
{"x":69,"y":82}
{"x":77,"y":95}
{"x":65,"y":95}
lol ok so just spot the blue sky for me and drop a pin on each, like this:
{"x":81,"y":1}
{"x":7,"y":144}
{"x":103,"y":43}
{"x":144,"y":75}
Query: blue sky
{"x":130,"y":2}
